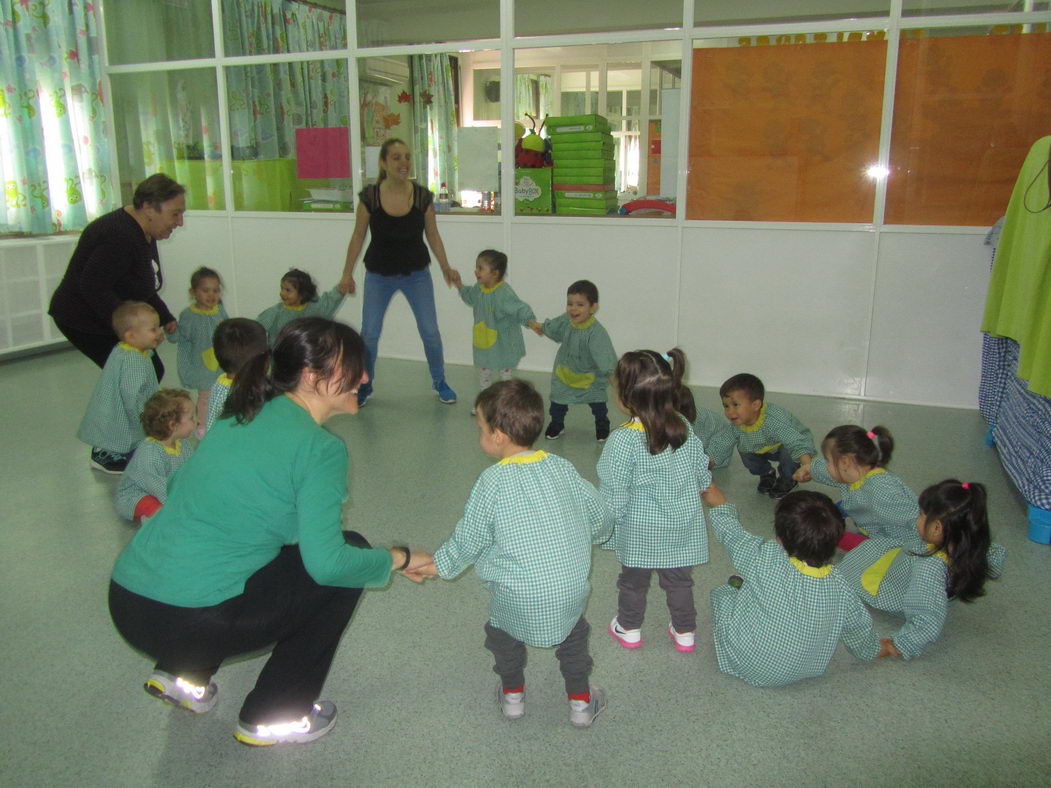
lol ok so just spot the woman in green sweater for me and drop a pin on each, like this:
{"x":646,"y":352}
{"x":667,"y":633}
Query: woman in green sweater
{"x":249,"y":549}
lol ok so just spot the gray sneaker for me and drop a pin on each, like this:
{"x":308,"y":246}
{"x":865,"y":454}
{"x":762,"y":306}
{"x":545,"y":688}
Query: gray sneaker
{"x":512,"y":704}
{"x":583,"y":713}
{"x":179,"y":692}
{"x":320,"y":720}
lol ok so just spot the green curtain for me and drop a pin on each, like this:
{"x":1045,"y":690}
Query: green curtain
{"x":434,"y":116}
{"x":263,"y":27}
{"x":54,"y":150}
{"x":1019,"y":301}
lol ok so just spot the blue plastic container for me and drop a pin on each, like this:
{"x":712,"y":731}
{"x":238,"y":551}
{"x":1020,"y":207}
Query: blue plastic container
{"x":1040,"y":525}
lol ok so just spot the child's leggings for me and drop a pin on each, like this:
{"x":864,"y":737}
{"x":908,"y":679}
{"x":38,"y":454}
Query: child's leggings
{"x":599,"y":410}
{"x":678,"y":587}
{"x":485,"y":377}
{"x":573,"y":658}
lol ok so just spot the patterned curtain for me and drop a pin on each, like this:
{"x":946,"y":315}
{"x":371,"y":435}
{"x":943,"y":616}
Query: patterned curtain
{"x":54,"y":149}
{"x":434,"y":114}
{"x":263,"y":27}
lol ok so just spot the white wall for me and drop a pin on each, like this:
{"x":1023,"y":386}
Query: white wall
{"x":843,"y":312}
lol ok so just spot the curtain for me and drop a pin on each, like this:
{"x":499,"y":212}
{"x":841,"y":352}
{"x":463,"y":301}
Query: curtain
{"x":532,"y":95}
{"x":434,"y":115}
{"x":264,"y":27}
{"x":54,"y":150}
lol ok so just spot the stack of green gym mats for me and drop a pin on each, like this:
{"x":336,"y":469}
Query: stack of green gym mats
{"x":582,"y":150}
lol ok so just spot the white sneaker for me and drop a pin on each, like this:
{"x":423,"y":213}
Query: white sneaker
{"x":684,"y":641}
{"x":179,"y":692}
{"x":629,"y":638}
{"x":511,"y":703}
{"x":582,"y":713}
{"x":320,"y":720}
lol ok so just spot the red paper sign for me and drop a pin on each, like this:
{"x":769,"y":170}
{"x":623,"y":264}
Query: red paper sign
{"x":323,"y":153}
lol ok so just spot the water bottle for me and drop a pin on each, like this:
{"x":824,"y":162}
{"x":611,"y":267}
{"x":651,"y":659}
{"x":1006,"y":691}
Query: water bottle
{"x":444,"y":203}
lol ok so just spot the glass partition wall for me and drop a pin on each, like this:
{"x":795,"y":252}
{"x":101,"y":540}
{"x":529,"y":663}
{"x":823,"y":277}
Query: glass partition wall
{"x":844,"y":112}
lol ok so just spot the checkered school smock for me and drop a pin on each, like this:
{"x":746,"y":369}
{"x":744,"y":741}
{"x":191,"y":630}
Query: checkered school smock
{"x":198,"y":367}
{"x":784,"y":623}
{"x":148,"y":472}
{"x":880,"y":504}
{"x":112,"y":418}
{"x":528,"y":528}
{"x":217,"y":399}
{"x":655,"y":499}
{"x":584,"y":361}
{"x":708,"y":423}
{"x":278,"y":316}
{"x":774,"y":427}
{"x":499,"y":315}
{"x":907,"y":579}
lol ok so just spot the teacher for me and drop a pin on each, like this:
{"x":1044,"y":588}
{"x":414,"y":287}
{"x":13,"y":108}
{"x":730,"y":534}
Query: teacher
{"x":249,"y":551}
{"x":399,"y":214}
{"x":116,"y":260}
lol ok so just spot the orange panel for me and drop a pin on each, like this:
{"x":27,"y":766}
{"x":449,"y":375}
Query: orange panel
{"x":785,"y":133}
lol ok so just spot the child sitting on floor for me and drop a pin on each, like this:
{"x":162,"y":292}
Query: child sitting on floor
{"x":299,"y":298}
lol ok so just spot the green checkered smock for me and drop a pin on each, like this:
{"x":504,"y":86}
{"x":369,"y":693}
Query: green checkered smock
{"x":774,"y":427}
{"x":784,"y":623}
{"x":909,"y":581}
{"x":278,"y":316}
{"x":197,"y":364}
{"x":655,"y":500}
{"x":528,"y":528}
{"x":499,"y":315}
{"x":112,"y":418}
{"x":708,"y":423}
{"x":584,"y":361}
{"x":880,"y":504}
{"x":148,"y":472}
{"x":217,"y":399}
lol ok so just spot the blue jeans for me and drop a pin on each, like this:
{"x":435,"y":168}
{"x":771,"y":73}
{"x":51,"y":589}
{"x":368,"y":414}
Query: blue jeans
{"x":419,"y":291}
{"x":762,"y":464}
{"x":599,"y":410}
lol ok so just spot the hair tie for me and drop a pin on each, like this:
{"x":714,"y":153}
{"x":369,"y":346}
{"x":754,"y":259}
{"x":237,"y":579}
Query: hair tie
{"x":666,"y":357}
{"x":965,"y":485}
{"x":871,"y":434}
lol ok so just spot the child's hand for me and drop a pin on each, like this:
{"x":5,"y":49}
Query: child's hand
{"x":452,"y":277}
{"x":713,"y":496}
{"x":538,"y":328}
{"x":802,"y":474}
{"x":887,"y":649}
{"x":421,"y":566}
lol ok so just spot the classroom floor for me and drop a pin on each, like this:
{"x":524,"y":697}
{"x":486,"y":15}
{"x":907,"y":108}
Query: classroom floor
{"x":412,"y":680}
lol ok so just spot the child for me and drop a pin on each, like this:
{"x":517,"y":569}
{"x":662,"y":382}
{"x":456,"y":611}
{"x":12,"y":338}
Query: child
{"x":111,"y":424}
{"x":236,"y":340}
{"x":705,"y":422}
{"x":528,"y":528}
{"x":763,"y":433}
{"x":498,"y":316}
{"x":950,"y":557}
{"x":299,"y":298}
{"x":168,"y":418}
{"x":783,"y":622}
{"x":854,"y":460}
{"x":584,"y":361}
{"x":198,"y":367}
{"x":650,"y":474}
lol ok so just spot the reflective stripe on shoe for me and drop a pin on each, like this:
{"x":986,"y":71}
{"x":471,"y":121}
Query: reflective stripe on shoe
{"x":179,"y":692}
{"x":320,"y":720}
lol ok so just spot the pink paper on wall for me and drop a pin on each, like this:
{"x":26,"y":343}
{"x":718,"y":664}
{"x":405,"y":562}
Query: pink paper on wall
{"x":323,"y":153}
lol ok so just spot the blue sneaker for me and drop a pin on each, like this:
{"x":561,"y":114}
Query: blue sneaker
{"x":364,"y":394}
{"x":445,"y":394}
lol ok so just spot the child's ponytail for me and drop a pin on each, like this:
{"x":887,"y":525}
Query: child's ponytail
{"x":960,"y":507}
{"x":871,"y":448}
{"x":252,"y":388}
{"x":648,"y":385}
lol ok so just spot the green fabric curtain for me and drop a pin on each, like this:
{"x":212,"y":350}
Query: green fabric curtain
{"x":1019,"y":301}
{"x":54,"y":144}
{"x":434,"y":115}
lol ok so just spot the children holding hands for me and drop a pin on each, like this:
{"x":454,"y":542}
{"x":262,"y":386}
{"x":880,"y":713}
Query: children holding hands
{"x":299,"y":298}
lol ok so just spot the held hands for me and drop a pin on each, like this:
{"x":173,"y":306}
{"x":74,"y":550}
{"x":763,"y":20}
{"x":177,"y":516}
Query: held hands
{"x":538,"y":328}
{"x":887,"y":649}
{"x":420,"y":567}
{"x":171,"y":326}
{"x":802,"y":474}
{"x":713,"y":496}
{"x":452,"y":277}
{"x":346,"y":285}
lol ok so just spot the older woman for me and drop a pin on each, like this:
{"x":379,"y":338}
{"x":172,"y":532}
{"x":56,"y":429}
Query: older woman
{"x":249,"y":550}
{"x":399,"y":214}
{"x":116,"y":260}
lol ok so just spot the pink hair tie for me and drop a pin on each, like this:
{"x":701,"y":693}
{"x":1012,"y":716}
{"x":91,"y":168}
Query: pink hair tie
{"x":871,"y":434}
{"x":965,"y":485}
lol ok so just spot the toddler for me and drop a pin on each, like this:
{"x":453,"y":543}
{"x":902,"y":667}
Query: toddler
{"x":854,"y":461}
{"x":763,"y":433}
{"x":499,"y":315}
{"x":783,"y":621}
{"x":299,"y":298}
{"x":584,"y":361}
{"x":528,"y":527}
{"x":197,"y":365}
{"x":111,"y":424}
{"x":949,"y":557}
{"x":651,"y":473}
{"x":236,"y":341}
{"x":168,"y":418}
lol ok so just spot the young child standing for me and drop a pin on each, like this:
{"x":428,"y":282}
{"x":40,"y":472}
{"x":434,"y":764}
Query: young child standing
{"x":299,"y":298}
{"x":651,"y":473}
{"x":783,"y":621}
{"x":854,"y":461}
{"x":499,"y":315}
{"x":197,"y":364}
{"x":763,"y":433}
{"x":584,"y":361}
{"x":950,"y":557}
{"x":236,"y":341}
{"x":528,"y":527}
{"x":111,"y":424}
{"x":168,"y":418}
